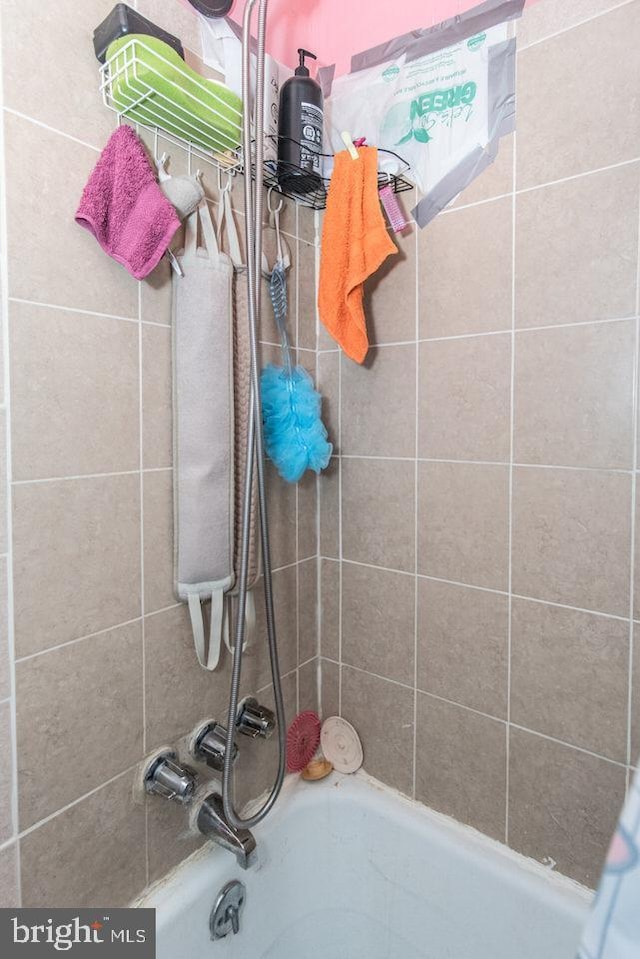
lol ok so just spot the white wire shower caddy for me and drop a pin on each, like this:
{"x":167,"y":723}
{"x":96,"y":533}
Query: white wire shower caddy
{"x":189,"y":113}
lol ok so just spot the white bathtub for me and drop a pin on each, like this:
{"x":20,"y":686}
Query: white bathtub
{"x":348,"y":869}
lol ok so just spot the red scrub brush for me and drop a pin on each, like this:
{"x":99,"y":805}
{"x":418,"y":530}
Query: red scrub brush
{"x":303,"y":738}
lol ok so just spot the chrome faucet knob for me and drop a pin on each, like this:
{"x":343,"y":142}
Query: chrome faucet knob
{"x":208,"y":744}
{"x":166,"y":777}
{"x":255,"y":720}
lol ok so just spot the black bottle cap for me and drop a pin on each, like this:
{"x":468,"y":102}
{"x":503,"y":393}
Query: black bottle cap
{"x":303,"y":69}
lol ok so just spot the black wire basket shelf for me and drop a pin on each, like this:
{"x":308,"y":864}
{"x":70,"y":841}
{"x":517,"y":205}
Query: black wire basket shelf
{"x":309,"y":188}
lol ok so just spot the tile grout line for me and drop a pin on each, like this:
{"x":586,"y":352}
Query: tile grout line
{"x":305,"y":559}
{"x":632,"y":558}
{"x":155,"y":323}
{"x":415,"y":516}
{"x":450,"y":211}
{"x":510,"y":493}
{"x":340,"y":546}
{"x":579,"y":176}
{"x":7,"y":506}
{"x":519,"y":331}
{"x":280,"y":569}
{"x":283,"y":676}
{"x":561,"y":742}
{"x":319,"y":590}
{"x":579,"y":323}
{"x":76,"y":309}
{"x":50,"y":129}
{"x":497,"y":719}
{"x":579,"y":23}
{"x":297,"y":489}
{"x":77,"y":801}
{"x":74,"y":478}
{"x":628,"y":471}
{"x":298,"y":349}
{"x":483,"y":589}
{"x":306,"y":662}
{"x":142,"y":593}
{"x":375,"y":346}
{"x":476,"y":334}
{"x":99,"y":632}
{"x":634,"y":505}
{"x":337,"y":456}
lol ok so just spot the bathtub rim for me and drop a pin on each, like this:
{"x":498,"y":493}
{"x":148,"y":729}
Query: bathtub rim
{"x":365,"y":788}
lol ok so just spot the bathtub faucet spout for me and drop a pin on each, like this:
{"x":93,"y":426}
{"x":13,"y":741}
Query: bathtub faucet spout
{"x":213,"y":824}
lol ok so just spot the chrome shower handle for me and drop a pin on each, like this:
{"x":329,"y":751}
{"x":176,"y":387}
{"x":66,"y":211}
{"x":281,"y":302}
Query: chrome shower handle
{"x":164,"y":776}
{"x":254,"y":720}
{"x":208,"y":744}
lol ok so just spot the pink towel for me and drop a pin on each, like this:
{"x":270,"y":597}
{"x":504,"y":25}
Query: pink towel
{"x":124,"y":208}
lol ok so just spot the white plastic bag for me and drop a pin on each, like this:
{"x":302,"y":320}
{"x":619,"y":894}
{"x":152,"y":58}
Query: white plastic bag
{"x":442,"y":112}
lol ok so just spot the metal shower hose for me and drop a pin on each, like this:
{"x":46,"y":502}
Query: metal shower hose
{"x":255,"y":444}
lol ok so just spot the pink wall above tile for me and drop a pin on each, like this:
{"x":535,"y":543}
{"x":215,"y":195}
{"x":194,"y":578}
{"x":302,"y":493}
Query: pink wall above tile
{"x":335,"y":29}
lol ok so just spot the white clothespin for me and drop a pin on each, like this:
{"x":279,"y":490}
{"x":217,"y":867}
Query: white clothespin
{"x":348,"y":142}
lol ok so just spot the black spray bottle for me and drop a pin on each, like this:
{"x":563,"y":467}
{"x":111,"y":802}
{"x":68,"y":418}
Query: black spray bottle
{"x":300,"y":126}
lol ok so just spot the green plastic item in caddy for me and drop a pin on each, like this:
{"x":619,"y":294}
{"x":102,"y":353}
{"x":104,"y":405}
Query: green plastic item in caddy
{"x":176,"y":98}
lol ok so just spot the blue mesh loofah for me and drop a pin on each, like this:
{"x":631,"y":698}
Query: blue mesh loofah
{"x":295,"y":436}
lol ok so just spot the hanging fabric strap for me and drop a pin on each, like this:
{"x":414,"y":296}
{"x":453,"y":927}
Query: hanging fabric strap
{"x":226,"y":221}
{"x":249,"y":620}
{"x":209,"y":654}
{"x":208,"y":232}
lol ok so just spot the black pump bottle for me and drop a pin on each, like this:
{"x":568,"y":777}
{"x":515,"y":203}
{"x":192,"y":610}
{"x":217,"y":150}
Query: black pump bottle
{"x":300,"y":126}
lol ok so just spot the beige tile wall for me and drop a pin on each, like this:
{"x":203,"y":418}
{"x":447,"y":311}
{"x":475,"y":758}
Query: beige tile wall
{"x":475,"y":541}
{"x":97,"y":665}
{"x":477,"y":524}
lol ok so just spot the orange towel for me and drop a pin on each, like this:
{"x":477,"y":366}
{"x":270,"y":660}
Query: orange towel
{"x":355,"y":243}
